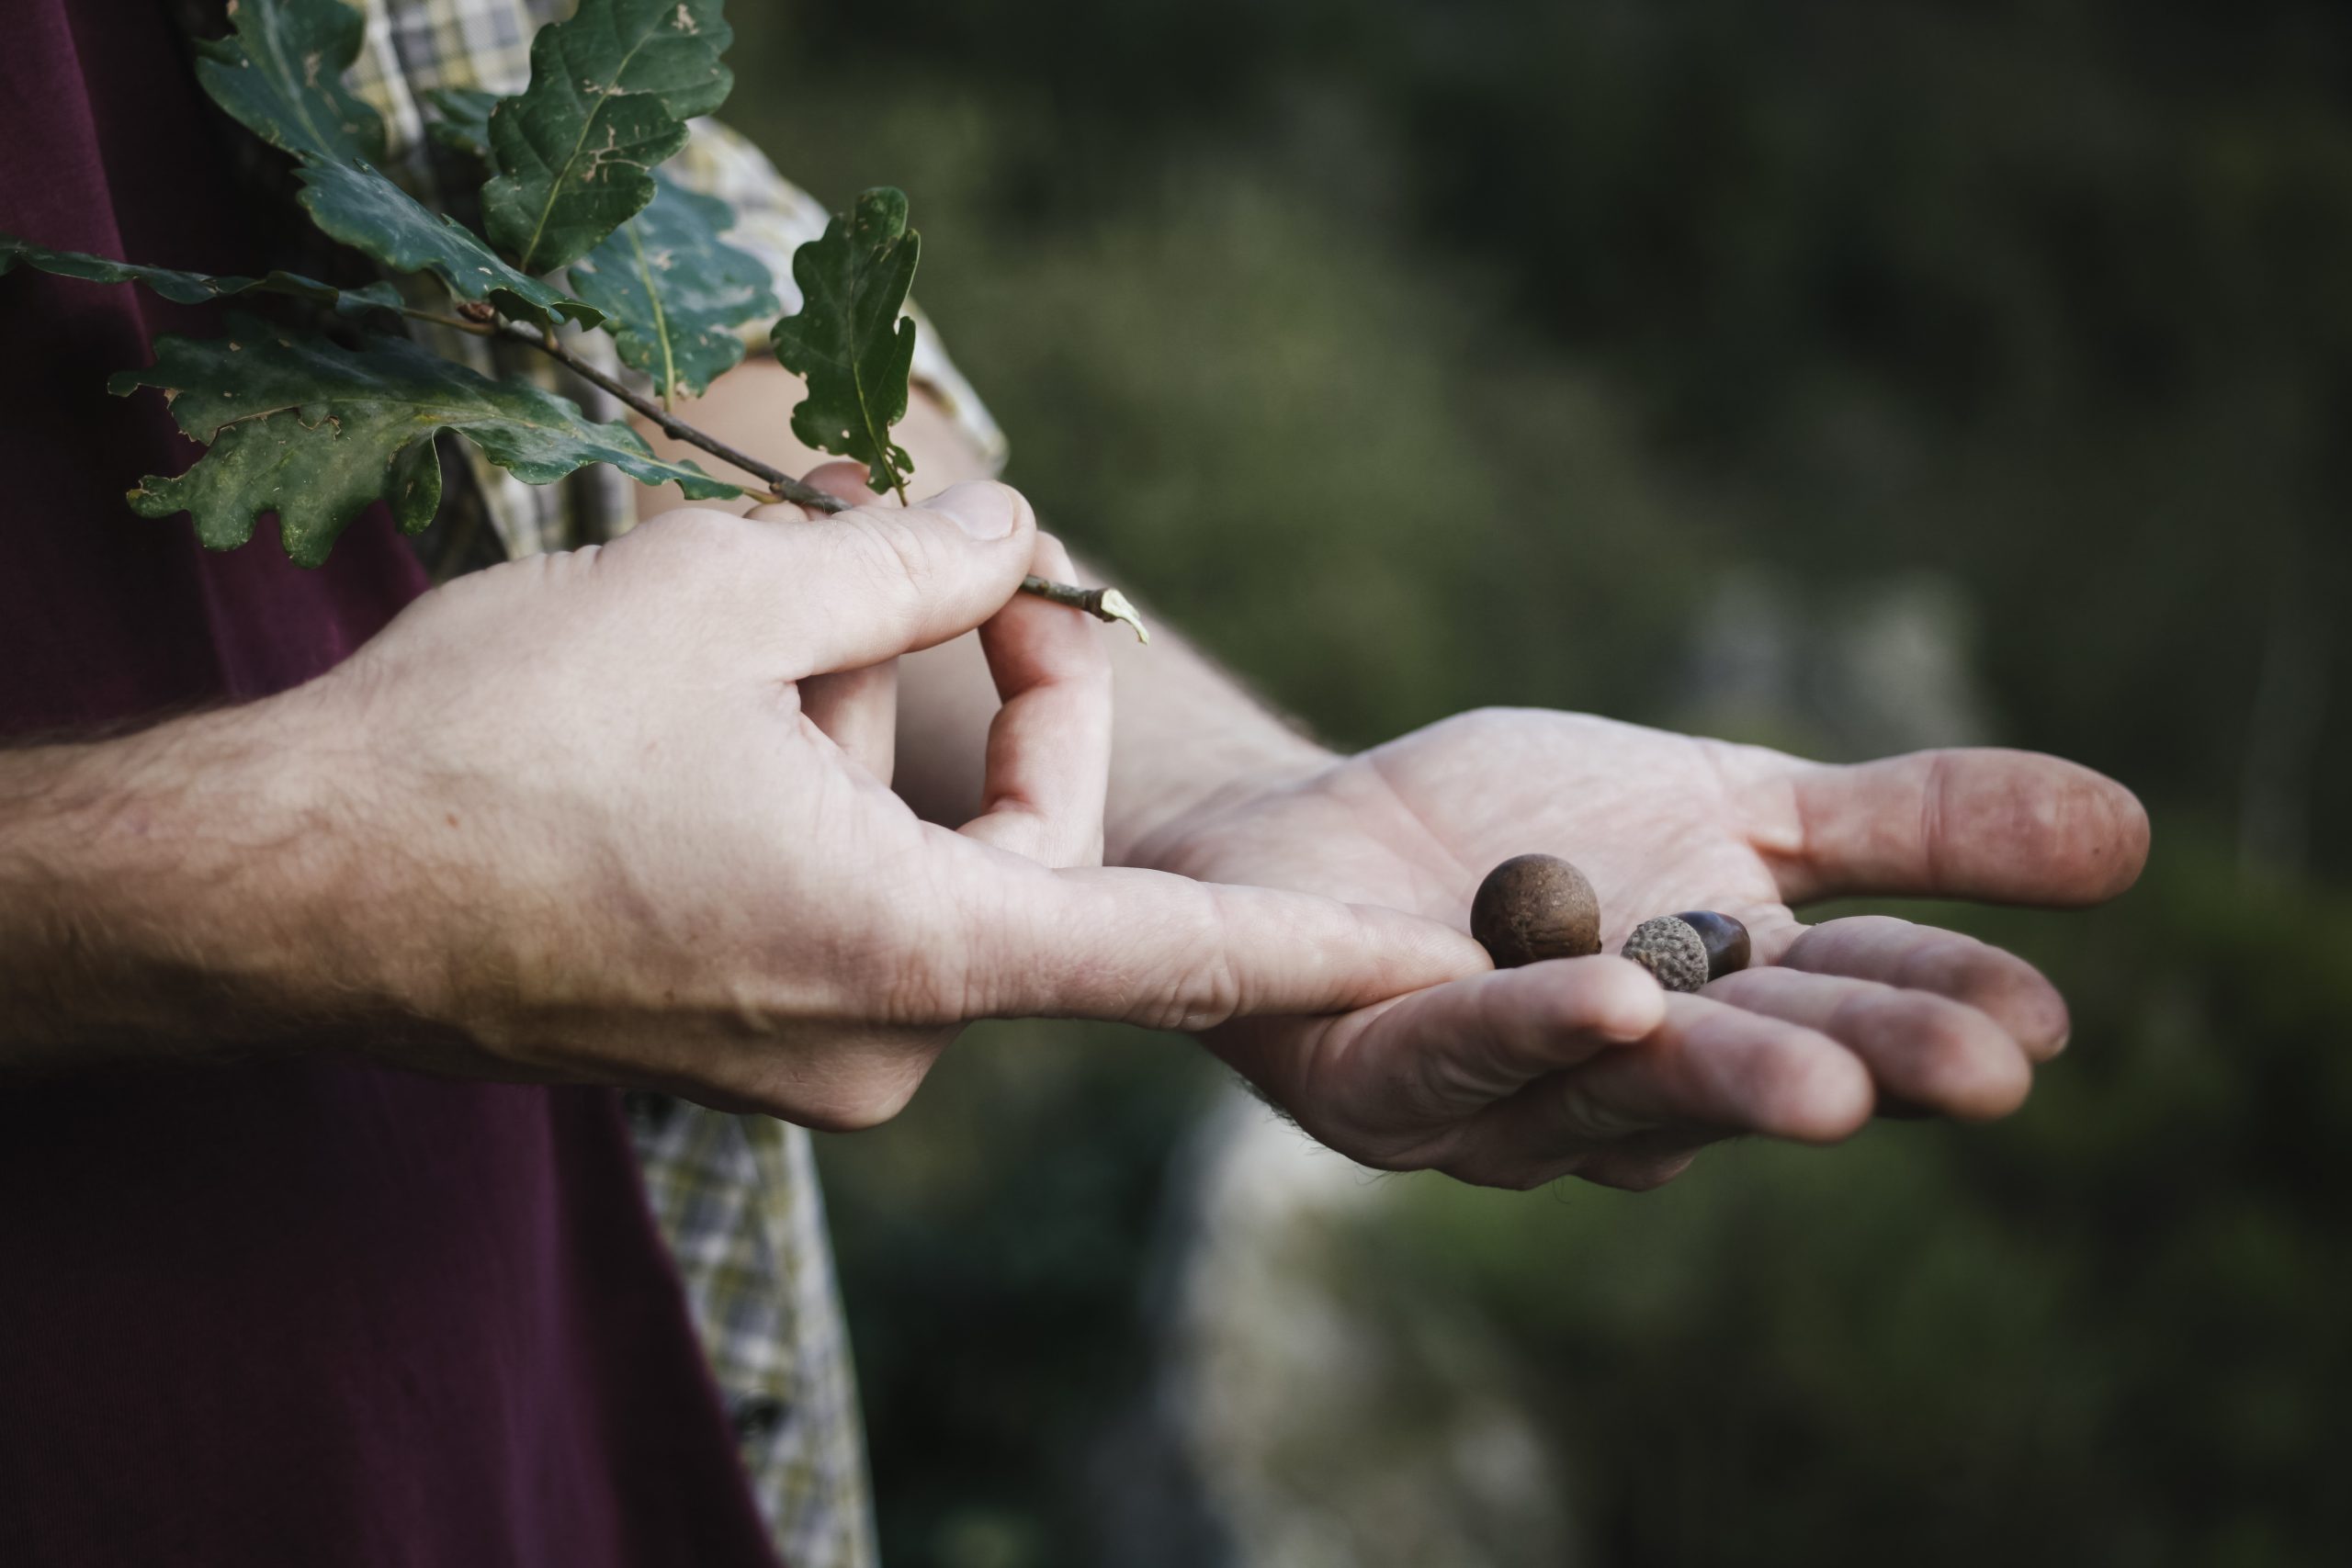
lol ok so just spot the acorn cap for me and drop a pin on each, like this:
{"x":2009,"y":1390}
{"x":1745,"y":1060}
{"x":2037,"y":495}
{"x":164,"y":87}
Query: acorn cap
{"x":1670,"y":948}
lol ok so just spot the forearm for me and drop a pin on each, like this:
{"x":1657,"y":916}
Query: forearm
{"x":166,"y":894}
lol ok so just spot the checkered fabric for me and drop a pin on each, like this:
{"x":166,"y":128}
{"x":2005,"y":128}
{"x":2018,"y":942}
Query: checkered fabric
{"x":735,"y":1196}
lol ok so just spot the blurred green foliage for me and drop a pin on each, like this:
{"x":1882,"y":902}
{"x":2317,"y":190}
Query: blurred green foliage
{"x":1419,"y":356}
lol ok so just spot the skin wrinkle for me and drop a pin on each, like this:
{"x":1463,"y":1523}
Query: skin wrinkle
{"x":1776,"y":836}
{"x":1450,"y":869}
{"x":1933,"y":803}
{"x":1224,"y":995}
{"x":1585,"y":1121}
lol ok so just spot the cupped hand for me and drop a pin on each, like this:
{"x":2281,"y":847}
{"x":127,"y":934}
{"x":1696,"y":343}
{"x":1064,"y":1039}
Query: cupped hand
{"x":623,"y":816}
{"x":1585,"y":1067}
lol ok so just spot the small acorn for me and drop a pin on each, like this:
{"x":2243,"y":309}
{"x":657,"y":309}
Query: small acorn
{"x":1532,"y":907}
{"x":1727,"y":941}
{"x":1685,"y":951}
{"x":1669,"y":948}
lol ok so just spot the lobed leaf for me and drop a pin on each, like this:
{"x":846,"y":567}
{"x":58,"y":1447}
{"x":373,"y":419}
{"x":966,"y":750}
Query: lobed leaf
{"x":850,"y":341}
{"x":673,"y":292}
{"x":611,"y":91}
{"x":358,"y":206}
{"x":281,"y":74}
{"x":461,"y":118}
{"x":197,"y":287}
{"x":315,"y":431}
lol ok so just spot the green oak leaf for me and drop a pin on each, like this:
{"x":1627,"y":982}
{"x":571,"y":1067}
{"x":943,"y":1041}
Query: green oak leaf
{"x":850,"y":341}
{"x":673,"y":292}
{"x":281,"y":74}
{"x":315,"y":431}
{"x":611,"y":91}
{"x":353,"y":203}
{"x":197,"y":287}
{"x":461,"y":118}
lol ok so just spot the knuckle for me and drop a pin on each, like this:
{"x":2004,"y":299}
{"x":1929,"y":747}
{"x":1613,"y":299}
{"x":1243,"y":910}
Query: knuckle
{"x":1189,"y":981}
{"x":895,"y":556}
{"x":934,"y":978}
{"x":692,"y":536}
{"x":691,"y":551}
{"x":1449,"y":1080}
{"x":1946,"y":1056}
{"x":1959,"y":1057}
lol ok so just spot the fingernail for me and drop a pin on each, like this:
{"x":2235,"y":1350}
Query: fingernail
{"x":984,"y":511}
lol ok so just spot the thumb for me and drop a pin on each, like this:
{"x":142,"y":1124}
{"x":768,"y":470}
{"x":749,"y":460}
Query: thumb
{"x":876,"y":581}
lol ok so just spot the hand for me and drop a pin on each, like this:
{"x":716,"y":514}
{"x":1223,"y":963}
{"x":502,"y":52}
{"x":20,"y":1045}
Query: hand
{"x":1583,"y":1065}
{"x":582,"y":815}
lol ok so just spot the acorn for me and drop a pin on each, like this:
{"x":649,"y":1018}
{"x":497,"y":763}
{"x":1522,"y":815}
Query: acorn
{"x":1672,"y":949}
{"x":1688,"y":950}
{"x":1532,"y":908}
{"x":1727,"y":941}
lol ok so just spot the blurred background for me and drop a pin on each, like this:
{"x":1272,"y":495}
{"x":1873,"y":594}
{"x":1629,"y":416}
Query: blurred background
{"x":1847,"y":375}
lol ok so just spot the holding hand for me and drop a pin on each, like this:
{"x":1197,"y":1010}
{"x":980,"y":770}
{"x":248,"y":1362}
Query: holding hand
{"x":659,"y":809}
{"x":623,"y":816}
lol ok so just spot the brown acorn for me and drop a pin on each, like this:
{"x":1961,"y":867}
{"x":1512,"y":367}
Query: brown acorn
{"x":1688,"y":950}
{"x":1726,"y":940}
{"x":1532,"y":908}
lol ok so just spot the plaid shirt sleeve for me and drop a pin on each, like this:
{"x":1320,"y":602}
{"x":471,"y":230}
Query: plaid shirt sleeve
{"x":735,"y":1196}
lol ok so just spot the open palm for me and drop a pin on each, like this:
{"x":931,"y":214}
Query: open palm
{"x":1583,"y":1065}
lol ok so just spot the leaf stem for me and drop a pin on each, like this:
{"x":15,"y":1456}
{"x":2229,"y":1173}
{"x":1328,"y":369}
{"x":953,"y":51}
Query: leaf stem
{"x":1105,"y":604}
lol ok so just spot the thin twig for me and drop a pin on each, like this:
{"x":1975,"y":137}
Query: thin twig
{"x":1107,"y":604}
{"x":1103,"y":604}
{"x":786,"y":487}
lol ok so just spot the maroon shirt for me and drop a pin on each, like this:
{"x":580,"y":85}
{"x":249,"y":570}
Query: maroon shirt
{"x":317,"y":1311}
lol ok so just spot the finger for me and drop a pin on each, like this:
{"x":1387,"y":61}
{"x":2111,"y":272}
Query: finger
{"x":2000,"y":984}
{"x":844,"y":480}
{"x":1447,"y":1052}
{"x":1049,"y":746}
{"x":1709,"y":1071}
{"x":1929,"y":1051}
{"x":862,"y":586}
{"x":1644,"y":1162}
{"x":1162,"y":951}
{"x":858,"y":711}
{"x":2014,"y":827}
